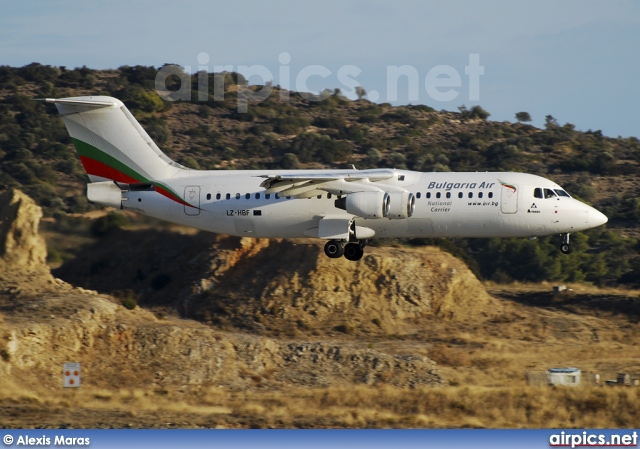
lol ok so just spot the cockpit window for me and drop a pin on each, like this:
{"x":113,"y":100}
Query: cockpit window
{"x":548,"y":193}
{"x":537,"y":193}
{"x":561,"y":192}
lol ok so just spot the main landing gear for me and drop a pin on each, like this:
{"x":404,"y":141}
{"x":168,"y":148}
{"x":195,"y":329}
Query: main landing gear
{"x":351,"y":251}
{"x":565,"y":248}
{"x":351,"y":247}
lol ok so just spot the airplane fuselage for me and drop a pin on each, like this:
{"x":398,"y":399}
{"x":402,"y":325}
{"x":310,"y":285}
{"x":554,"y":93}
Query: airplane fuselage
{"x":475,"y":204}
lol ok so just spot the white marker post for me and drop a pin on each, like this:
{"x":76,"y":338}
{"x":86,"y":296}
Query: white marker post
{"x":71,"y":375}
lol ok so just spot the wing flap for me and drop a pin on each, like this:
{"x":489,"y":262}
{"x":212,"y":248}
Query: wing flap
{"x":297,"y":184}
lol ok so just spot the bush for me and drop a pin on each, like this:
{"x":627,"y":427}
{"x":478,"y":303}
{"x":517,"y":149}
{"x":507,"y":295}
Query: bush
{"x":312,"y":146}
{"x":129,"y":303}
{"x":402,"y":116}
{"x":148,"y":102}
{"x":476,"y":112}
{"x":107,"y":224}
{"x":289,"y":161}
{"x":332,"y":121}
{"x":290,"y":125}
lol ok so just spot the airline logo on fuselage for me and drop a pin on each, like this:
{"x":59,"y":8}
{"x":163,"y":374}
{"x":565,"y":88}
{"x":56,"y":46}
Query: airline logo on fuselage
{"x":460,"y":185}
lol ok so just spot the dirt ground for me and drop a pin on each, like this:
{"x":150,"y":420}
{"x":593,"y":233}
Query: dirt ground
{"x":484,"y":365}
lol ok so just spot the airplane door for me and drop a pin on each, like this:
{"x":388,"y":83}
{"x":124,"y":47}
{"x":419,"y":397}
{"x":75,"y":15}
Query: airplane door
{"x":192,"y":197}
{"x":509,"y":199}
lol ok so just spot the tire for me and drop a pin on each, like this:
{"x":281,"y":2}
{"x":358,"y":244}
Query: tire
{"x":334,"y":249}
{"x":565,"y":248}
{"x":353,"y":251}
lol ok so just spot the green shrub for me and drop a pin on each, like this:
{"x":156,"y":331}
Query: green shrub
{"x":129,"y":303}
{"x":107,"y":224}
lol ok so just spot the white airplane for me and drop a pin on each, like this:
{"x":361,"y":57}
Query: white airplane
{"x":345,"y":207}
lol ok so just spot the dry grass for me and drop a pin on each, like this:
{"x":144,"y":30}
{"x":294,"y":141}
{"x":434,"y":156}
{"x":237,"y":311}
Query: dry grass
{"x":484,"y":362}
{"x":581,"y":288}
{"x":359,"y":407}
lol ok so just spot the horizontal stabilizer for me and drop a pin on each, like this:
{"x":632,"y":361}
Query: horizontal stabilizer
{"x":84,"y":103}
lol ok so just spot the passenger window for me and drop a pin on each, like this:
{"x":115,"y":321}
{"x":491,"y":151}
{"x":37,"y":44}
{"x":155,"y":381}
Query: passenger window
{"x":548,"y":193}
{"x":267,"y":196}
{"x":490,"y":194}
{"x":470,"y":194}
{"x":428,"y":195}
{"x":257,"y":196}
{"x":217,"y":196}
{"x":277,"y":196}
{"x":460,"y":194}
{"x":418,"y":195}
{"x":237,"y":196}
{"x":438,"y":195}
{"x":328,"y":196}
{"x":319,"y":196}
{"x":480,"y":195}
{"x":208,"y":196}
{"x":288,"y":197}
{"x":448,"y":194}
{"x":537,"y":192}
{"x":228,"y":196}
{"x":247,"y":196}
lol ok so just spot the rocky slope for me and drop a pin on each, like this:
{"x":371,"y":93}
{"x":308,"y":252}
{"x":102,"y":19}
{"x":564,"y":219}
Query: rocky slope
{"x":48,"y":322}
{"x":279,"y":286}
{"x":22,"y":249}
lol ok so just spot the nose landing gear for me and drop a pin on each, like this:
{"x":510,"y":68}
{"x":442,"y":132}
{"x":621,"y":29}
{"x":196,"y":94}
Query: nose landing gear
{"x":565,"y":248}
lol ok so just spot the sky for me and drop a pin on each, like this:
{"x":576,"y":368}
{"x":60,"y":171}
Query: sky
{"x":577,"y":60}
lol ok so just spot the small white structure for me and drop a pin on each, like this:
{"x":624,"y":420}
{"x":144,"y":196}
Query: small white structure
{"x":564,"y":376}
{"x":71,"y":375}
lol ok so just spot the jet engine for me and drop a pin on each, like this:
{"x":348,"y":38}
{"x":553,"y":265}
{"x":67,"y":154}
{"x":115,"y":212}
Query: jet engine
{"x":365,"y":204}
{"x":403,"y":204}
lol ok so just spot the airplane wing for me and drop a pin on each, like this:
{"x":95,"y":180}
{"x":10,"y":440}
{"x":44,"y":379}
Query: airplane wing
{"x":308,"y":184}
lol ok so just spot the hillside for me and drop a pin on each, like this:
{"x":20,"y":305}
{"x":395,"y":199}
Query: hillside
{"x":277,"y":286}
{"x":36,"y":156}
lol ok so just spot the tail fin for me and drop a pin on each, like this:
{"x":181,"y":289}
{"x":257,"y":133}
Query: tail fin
{"x":111,"y":143}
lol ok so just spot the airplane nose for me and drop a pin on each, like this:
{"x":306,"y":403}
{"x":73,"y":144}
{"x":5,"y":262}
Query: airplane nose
{"x":596,"y":218}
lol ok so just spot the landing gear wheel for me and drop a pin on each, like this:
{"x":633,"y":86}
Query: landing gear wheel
{"x":353,"y":251}
{"x":334,"y":249}
{"x":565,"y":248}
